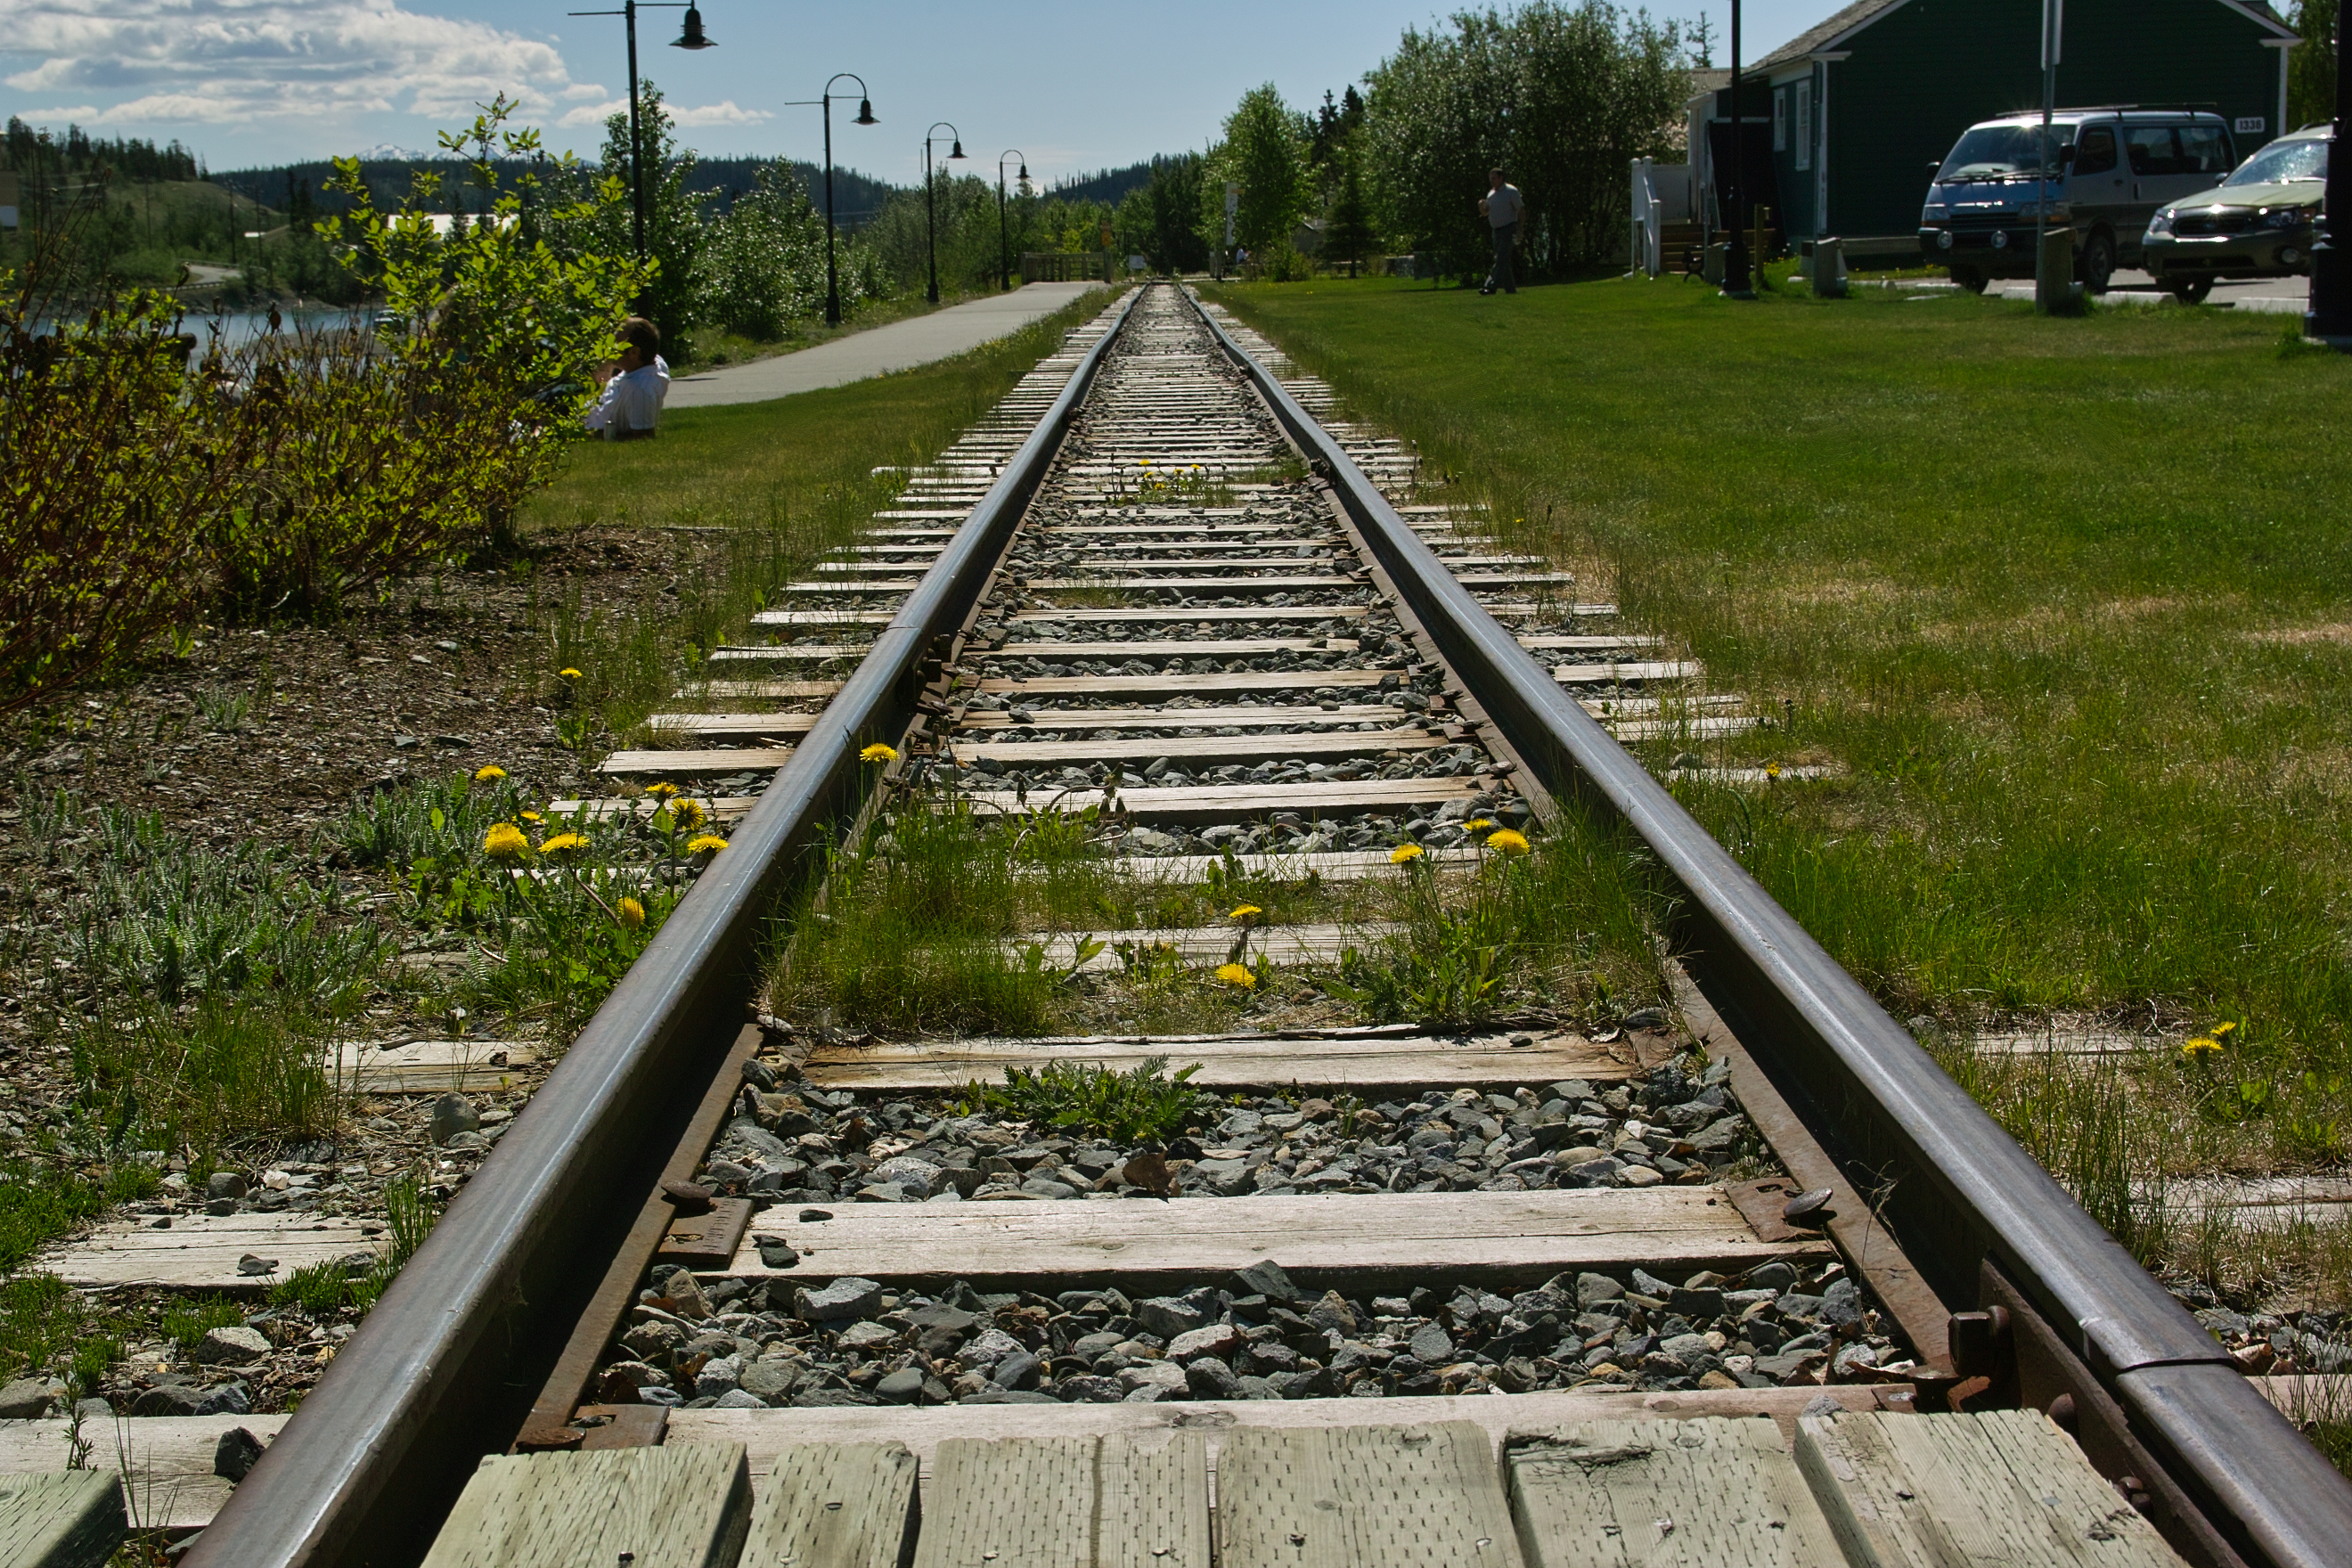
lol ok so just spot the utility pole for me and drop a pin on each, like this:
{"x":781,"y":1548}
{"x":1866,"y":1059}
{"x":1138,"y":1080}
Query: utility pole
{"x":1736,"y":285}
{"x":2330,"y":315}
{"x":2053,"y":13}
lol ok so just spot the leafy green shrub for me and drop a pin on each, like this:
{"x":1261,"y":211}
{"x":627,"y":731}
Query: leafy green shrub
{"x":1144,"y":1104}
{"x":764,"y":265}
{"x":114,"y":476}
{"x":422,"y":437}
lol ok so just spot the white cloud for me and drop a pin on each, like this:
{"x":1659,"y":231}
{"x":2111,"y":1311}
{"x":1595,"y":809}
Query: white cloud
{"x":222,"y":61}
{"x":595,"y":114}
{"x":726,"y":112}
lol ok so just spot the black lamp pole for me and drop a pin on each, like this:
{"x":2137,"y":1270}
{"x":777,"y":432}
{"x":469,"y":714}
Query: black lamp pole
{"x":2330,"y":315}
{"x":864,"y":117}
{"x":1004,"y":228}
{"x":930,"y":202}
{"x":1734,"y":258}
{"x":689,"y":37}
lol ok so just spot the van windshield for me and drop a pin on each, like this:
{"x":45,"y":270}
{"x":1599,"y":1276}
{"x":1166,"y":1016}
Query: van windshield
{"x":2003,"y":152}
{"x":2283,"y":161}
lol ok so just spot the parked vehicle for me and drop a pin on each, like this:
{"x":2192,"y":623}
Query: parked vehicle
{"x":2110,"y":171}
{"x":2255,"y":224}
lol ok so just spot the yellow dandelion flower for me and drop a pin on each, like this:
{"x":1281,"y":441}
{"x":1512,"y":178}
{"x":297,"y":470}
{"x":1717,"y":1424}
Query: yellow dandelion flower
{"x":1244,"y":911}
{"x":564,"y":844}
{"x":532,"y":816}
{"x":567,"y":673}
{"x":490,"y":774}
{"x":1474,"y":825}
{"x":878,"y":753}
{"x":1508,"y":841}
{"x":505,"y":840}
{"x":1771,"y":770}
{"x":1406,"y":854}
{"x":2202,"y":1045}
{"x":632,"y":913}
{"x":1237,"y":974}
{"x":705,"y":843}
{"x":663,"y":790}
{"x":2220,"y":1030}
{"x":687,"y":814}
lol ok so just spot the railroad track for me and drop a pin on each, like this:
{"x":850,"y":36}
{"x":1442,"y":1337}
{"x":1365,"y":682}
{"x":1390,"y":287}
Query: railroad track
{"x":1530,"y":1293}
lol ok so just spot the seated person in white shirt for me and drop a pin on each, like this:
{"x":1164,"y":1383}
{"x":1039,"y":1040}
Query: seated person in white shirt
{"x":635,"y":385}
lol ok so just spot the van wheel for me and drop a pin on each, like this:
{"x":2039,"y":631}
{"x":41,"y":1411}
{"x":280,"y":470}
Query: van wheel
{"x":2098,"y":261}
{"x":1970,"y":278}
{"x":2190,"y":291}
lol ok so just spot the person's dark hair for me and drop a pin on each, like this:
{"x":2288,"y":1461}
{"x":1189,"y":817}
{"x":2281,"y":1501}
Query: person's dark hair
{"x":641,"y":335}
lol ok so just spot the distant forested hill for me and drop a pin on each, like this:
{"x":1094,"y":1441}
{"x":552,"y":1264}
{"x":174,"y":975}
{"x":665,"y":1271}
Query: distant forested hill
{"x":859,"y":196}
{"x":1106,"y":186}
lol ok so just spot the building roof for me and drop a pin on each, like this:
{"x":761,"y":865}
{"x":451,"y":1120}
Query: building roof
{"x":1862,"y":12}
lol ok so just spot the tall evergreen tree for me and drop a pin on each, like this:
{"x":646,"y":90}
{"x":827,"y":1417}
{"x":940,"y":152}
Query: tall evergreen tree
{"x":1347,"y":227}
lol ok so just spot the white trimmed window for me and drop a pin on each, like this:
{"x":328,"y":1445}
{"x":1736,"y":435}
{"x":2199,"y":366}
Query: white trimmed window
{"x":1805,"y":125}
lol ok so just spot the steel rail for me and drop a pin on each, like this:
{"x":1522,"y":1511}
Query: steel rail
{"x":1961,"y":1188}
{"x":368,"y":1466}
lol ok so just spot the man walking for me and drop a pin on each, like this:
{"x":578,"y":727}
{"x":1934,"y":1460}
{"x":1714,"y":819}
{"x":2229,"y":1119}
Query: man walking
{"x":1502,"y":209}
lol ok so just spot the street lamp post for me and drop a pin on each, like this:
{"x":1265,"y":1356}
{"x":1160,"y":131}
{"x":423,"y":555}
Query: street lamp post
{"x":689,"y":37}
{"x":864,"y":117}
{"x":930,"y":202}
{"x":2330,"y":315}
{"x":1735,"y":259}
{"x":1004,"y":228}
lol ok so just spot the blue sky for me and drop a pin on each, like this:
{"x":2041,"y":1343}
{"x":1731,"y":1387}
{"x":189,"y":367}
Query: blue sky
{"x":1078,"y":87}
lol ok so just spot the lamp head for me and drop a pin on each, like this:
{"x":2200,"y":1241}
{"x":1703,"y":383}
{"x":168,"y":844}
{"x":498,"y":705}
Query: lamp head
{"x":959,"y":149}
{"x":691,"y":37}
{"x":866,"y":114}
{"x":1024,"y":172}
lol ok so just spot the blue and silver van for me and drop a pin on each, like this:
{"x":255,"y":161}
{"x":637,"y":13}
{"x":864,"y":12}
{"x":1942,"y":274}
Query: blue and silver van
{"x":2110,"y":171}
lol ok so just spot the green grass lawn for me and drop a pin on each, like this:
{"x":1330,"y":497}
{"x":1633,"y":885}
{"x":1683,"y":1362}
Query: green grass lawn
{"x":2068,"y":602}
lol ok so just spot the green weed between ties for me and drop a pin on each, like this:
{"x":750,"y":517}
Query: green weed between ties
{"x":1561,"y":923}
{"x":1145,"y":1104}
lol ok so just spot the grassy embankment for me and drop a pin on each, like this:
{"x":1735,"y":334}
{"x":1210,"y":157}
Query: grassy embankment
{"x":2060,"y":601}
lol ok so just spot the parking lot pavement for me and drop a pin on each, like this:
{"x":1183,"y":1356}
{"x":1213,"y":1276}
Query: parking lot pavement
{"x":2278,"y":296}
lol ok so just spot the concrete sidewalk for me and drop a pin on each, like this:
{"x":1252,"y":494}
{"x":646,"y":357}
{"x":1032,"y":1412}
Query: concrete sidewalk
{"x":918,"y":339}
{"x":2265,"y":296}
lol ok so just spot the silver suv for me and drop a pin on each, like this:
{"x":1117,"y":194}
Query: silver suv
{"x":2255,"y":224}
{"x":2111,"y":170}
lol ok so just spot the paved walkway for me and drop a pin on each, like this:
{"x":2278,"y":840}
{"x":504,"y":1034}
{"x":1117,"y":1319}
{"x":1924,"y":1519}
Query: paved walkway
{"x":918,"y":339}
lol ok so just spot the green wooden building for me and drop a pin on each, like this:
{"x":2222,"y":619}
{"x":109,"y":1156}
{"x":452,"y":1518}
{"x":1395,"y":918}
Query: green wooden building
{"x":1850,"y":113}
